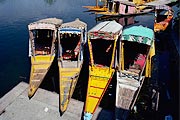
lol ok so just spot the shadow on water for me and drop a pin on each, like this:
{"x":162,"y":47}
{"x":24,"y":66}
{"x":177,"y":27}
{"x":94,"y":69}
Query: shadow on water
{"x":168,"y":74}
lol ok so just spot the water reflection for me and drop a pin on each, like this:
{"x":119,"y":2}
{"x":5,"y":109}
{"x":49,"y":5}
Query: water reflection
{"x":2,"y":1}
{"x":50,"y":2}
{"x":124,"y":21}
{"x":146,"y":20}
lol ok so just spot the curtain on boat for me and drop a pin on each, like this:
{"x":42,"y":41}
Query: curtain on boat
{"x":148,"y":62}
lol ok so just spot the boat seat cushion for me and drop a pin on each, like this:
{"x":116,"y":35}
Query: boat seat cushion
{"x":138,"y":63}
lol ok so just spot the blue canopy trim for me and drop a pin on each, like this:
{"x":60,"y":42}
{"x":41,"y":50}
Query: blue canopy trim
{"x":70,"y":30}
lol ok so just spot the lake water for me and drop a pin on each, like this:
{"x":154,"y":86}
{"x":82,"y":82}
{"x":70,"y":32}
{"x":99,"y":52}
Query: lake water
{"x":15,"y":15}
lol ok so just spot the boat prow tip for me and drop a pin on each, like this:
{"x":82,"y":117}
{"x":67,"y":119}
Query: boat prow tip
{"x":30,"y":95}
{"x":87,"y":116}
{"x":61,"y":112}
{"x":62,"y":109}
{"x":31,"y":92}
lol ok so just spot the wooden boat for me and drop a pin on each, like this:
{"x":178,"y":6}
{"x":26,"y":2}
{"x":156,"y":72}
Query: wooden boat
{"x":162,"y":21}
{"x":136,"y":50}
{"x":102,"y":41}
{"x":72,"y":37}
{"x":125,"y":8}
{"x":98,"y":8}
{"x":42,"y":36}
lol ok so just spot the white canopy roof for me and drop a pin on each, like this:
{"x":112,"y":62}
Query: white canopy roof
{"x":106,"y":30}
{"x":107,"y":26}
{"x":160,"y":2}
{"x":48,"y":23}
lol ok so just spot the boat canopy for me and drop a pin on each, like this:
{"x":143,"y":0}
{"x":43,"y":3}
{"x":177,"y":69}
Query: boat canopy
{"x":105,"y":30}
{"x":74,"y":24}
{"x":160,"y":2}
{"x":138,"y":34}
{"x":48,"y":23}
{"x":70,"y":30}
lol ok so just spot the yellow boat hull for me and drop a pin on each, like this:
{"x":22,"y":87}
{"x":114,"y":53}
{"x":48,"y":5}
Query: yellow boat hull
{"x":39,"y":68}
{"x":99,"y":80}
{"x":68,"y":78}
{"x":96,"y":8}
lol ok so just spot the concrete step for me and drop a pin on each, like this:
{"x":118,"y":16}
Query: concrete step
{"x":44,"y":105}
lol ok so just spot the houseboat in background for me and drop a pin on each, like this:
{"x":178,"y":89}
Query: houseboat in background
{"x":125,"y":8}
{"x":98,"y":7}
{"x":42,"y":36}
{"x":120,"y":7}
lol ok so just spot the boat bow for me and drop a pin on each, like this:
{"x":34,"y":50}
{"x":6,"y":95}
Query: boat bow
{"x":39,"y":69}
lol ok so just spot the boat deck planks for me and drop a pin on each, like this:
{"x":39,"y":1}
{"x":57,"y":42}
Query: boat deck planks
{"x":72,"y":64}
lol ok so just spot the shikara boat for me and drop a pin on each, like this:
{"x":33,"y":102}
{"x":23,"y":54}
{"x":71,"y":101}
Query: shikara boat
{"x":125,"y":8}
{"x":71,"y":40}
{"x":102,"y":41}
{"x":136,"y":49}
{"x":42,"y":36}
{"x":96,"y":8}
{"x":163,"y":18}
